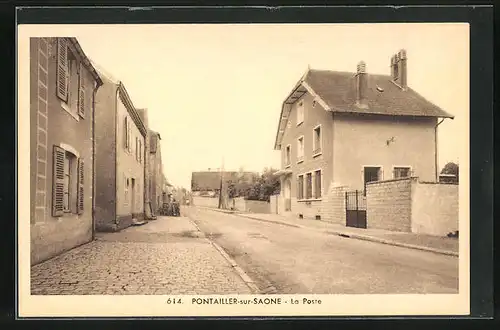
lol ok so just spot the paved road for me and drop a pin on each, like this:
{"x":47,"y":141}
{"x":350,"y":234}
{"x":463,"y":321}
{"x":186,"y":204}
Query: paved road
{"x":290,"y":260}
{"x":165,"y":256}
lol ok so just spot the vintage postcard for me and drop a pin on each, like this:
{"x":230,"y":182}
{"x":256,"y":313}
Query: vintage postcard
{"x":243,"y":170}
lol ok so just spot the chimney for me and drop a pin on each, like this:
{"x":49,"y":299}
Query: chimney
{"x":402,"y":68}
{"x":361,"y":84}
{"x":398,"y":69}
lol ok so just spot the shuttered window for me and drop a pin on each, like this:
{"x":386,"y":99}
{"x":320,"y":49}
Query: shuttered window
{"x":125,"y":131}
{"x":81,"y":190}
{"x":58,"y":182}
{"x":62,"y":69}
{"x":81,"y":91}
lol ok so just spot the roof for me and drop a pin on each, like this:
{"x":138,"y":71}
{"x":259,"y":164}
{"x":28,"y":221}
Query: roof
{"x":154,"y":138}
{"x":210,"y":180}
{"x":86,"y":60}
{"x":336,"y":92}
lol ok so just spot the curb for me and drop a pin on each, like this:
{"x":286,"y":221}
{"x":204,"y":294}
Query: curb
{"x":241,"y":273}
{"x":394,"y":243}
{"x":363,"y":238}
{"x":253,"y":218}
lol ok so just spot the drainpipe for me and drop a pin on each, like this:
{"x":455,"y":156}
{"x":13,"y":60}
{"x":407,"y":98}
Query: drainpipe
{"x":436,"y":150}
{"x":94,"y":93}
{"x":116,"y":151}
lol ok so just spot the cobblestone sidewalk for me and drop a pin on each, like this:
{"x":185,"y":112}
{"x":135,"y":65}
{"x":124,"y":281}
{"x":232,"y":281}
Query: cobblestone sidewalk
{"x":165,"y":256}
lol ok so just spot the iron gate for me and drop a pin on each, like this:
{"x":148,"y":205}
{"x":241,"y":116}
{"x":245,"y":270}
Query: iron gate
{"x":355,"y":209}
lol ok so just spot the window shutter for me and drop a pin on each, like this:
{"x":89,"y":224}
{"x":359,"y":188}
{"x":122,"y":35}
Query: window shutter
{"x":81,"y":91}
{"x":125,"y":132}
{"x":62,"y":69}
{"x":81,"y":199}
{"x":58,"y":182}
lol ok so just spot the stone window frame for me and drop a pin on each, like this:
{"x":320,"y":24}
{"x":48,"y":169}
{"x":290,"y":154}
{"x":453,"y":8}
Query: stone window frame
{"x":409,"y":167}
{"x":288,"y":155}
{"x":381,"y":175}
{"x":320,"y":140}
{"x":313,"y":185}
{"x":300,"y":149}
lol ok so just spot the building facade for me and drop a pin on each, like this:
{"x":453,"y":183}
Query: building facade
{"x":120,"y":158}
{"x":343,"y":129}
{"x":155,"y":171}
{"x":62,"y":87}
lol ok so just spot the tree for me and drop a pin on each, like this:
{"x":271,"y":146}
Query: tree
{"x":266,"y":185}
{"x":451,"y":168}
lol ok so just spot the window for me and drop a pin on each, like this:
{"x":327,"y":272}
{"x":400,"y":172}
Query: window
{"x":140,"y":151}
{"x":300,"y":112}
{"x":317,"y":184}
{"x":68,"y":178}
{"x":300,"y":149}
{"x":317,"y":140}
{"x":125,"y":191}
{"x":288,"y":155}
{"x":67,"y":181}
{"x":127,"y":134}
{"x":401,"y":172}
{"x":300,"y":187}
{"x":309,"y":185}
{"x":136,"y":148}
{"x":370,"y":174}
{"x":70,"y":80}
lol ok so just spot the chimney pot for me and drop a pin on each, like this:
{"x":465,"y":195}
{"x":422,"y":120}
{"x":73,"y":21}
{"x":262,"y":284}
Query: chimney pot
{"x":361,"y":67}
{"x":402,"y":54}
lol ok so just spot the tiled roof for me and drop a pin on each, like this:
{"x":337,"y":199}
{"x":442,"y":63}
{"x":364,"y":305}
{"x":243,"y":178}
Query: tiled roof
{"x":338,"y":90}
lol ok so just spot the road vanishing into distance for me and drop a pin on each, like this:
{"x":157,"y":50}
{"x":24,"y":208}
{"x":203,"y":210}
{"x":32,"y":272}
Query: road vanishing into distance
{"x":287,"y":260}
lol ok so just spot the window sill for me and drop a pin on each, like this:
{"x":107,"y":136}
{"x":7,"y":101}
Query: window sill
{"x":300,"y":161}
{"x":309,"y":200}
{"x":288,"y":166}
{"x":69,"y":111}
{"x":317,"y":154}
{"x":300,"y":123}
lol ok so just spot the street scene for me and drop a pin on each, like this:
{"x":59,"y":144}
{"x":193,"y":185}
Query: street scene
{"x":251,"y":167}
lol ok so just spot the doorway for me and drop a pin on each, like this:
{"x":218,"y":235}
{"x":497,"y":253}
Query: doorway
{"x":287,"y":193}
{"x":132,"y":192}
{"x":371,"y":174}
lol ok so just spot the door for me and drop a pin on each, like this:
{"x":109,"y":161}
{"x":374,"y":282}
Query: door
{"x":355,"y":209}
{"x":132,"y":192}
{"x":287,"y":193}
{"x":370,"y":174}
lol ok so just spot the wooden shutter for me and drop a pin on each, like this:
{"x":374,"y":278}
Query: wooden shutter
{"x":81,"y":91}
{"x":125,"y":132}
{"x":58,"y":182}
{"x":136,"y":148}
{"x":62,"y":69}
{"x":81,"y":191}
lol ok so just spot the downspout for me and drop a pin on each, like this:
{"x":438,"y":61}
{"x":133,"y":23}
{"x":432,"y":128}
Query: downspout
{"x":436,"y":150}
{"x":94,"y":93}
{"x":116,"y":152}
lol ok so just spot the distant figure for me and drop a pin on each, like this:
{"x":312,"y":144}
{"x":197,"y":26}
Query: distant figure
{"x":187,"y":202}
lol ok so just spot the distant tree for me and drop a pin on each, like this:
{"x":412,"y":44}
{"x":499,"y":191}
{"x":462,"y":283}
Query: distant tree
{"x":267,"y":185}
{"x":451,"y":168}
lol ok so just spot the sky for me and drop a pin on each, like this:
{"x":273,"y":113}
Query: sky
{"x":214,"y":92}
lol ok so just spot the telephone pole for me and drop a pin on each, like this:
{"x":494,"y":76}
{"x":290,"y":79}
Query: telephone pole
{"x":221,"y":200}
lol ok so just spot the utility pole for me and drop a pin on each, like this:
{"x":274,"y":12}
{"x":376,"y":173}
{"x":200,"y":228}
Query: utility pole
{"x":221,"y":200}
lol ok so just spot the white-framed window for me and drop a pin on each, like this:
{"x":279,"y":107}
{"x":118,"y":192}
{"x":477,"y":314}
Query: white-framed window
{"x":317,"y":184}
{"x":309,"y":185}
{"x":288,"y":155}
{"x":300,"y":149}
{"x":317,"y":141}
{"x":300,"y":112}
{"x":300,"y":187}
{"x":399,"y":172}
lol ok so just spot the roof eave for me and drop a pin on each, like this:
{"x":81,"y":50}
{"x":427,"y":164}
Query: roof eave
{"x":86,"y":61}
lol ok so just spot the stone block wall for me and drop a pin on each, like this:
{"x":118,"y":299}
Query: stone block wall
{"x":388,"y":204}
{"x":333,"y":208}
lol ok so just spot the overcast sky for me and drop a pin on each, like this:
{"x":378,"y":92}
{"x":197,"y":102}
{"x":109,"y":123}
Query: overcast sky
{"x":215,"y":91}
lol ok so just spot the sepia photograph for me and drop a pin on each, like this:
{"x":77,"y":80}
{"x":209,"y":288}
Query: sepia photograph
{"x":290,"y":167}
